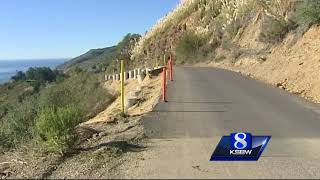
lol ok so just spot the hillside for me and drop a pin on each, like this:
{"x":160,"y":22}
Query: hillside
{"x":274,"y":41}
{"x":91,"y":58}
{"x":99,"y":60}
{"x":199,"y":27}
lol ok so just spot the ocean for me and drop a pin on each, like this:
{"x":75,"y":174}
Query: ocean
{"x":9,"y":68}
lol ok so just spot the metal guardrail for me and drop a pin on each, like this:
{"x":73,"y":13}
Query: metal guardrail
{"x":166,"y":70}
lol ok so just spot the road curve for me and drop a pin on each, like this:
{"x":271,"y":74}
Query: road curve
{"x":207,"y":103}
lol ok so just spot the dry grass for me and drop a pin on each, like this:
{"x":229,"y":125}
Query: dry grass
{"x":203,"y":16}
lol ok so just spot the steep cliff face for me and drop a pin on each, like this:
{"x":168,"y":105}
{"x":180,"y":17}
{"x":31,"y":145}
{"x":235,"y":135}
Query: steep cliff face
{"x":212,"y":22}
{"x":262,"y":39}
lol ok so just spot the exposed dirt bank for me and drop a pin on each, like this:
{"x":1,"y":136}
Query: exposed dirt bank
{"x":292,"y":66}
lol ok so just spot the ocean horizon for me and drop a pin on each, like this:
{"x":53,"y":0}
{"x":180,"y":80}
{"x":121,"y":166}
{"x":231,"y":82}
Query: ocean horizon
{"x":9,"y":68}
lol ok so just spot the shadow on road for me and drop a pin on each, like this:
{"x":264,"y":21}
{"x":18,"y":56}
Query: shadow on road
{"x":204,"y":102}
{"x":186,"y":111}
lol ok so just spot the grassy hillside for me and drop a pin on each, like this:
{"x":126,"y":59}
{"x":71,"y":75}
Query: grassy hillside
{"x":45,"y":110}
{"x":100,"y":60}
{"x":196,"y":28}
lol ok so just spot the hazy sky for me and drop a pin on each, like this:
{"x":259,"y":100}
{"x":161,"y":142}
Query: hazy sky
{"x":68,"y":28}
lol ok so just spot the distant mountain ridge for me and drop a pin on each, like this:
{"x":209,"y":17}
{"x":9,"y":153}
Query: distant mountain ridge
{"x":102,"y":59}
{"x":90,"y":58}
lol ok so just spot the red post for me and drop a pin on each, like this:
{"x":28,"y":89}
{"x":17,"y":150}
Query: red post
{"x":171,"y":68}
{"x":168,"y":71}
{"x":164,"y":84}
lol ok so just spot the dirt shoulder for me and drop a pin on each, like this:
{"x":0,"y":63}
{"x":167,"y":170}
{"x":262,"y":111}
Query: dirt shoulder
{"x":149,"y":92}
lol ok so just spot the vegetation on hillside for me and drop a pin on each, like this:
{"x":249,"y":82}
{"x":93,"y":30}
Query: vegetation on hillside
{"x":48,"y":114}
{"x":274,"y":30}
{"x":53,"y":127}
{"x":308,"y":13}
{"x":188,"y":47}
{"x":45,"y":105}
{"x":220,"y":23}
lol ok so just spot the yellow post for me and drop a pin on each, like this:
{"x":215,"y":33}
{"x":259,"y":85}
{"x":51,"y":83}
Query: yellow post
{"x":122,"y":85}
{"x":164,"y":60}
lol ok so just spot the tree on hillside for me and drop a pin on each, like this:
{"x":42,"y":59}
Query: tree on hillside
{"x":19,"y":76}
{"x":41,"y":74}
{"x":125,"y":47}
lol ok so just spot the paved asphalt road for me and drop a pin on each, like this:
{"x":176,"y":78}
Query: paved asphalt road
{"x":207,"y":103}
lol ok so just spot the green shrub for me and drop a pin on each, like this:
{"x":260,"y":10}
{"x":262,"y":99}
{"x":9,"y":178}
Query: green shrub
{"x":41,"y":74}
{"x":19,"y":76}
{"x":16,"y":125}
{"x":58,"y":96}
{"x":189,"y":47}
{"x":82,"y":90}
{"x":308,"y":13}
{"x":273,"y":30}
{"x":54,"y":125}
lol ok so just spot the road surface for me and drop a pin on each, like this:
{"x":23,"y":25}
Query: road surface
{"x":207,"y":103}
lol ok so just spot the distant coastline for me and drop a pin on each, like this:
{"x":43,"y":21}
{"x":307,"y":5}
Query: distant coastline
{"x":8,"y":68}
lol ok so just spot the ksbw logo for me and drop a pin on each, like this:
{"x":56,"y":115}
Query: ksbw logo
{"x":240,"y":147}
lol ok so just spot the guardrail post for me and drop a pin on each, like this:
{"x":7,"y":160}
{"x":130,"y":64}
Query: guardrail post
{"x":122,"y":86}
{"x":164,"y":84}
{"x":130,"y":74}
{"x":168,"y":72}
{"x":135,"y":74}
{"x":171,"y":67}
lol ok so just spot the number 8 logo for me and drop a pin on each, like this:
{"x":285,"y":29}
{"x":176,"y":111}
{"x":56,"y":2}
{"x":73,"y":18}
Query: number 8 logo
{"x":240,"y":140}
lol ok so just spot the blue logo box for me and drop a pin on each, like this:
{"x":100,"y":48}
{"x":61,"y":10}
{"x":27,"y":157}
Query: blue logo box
{"x":240,"y":147}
